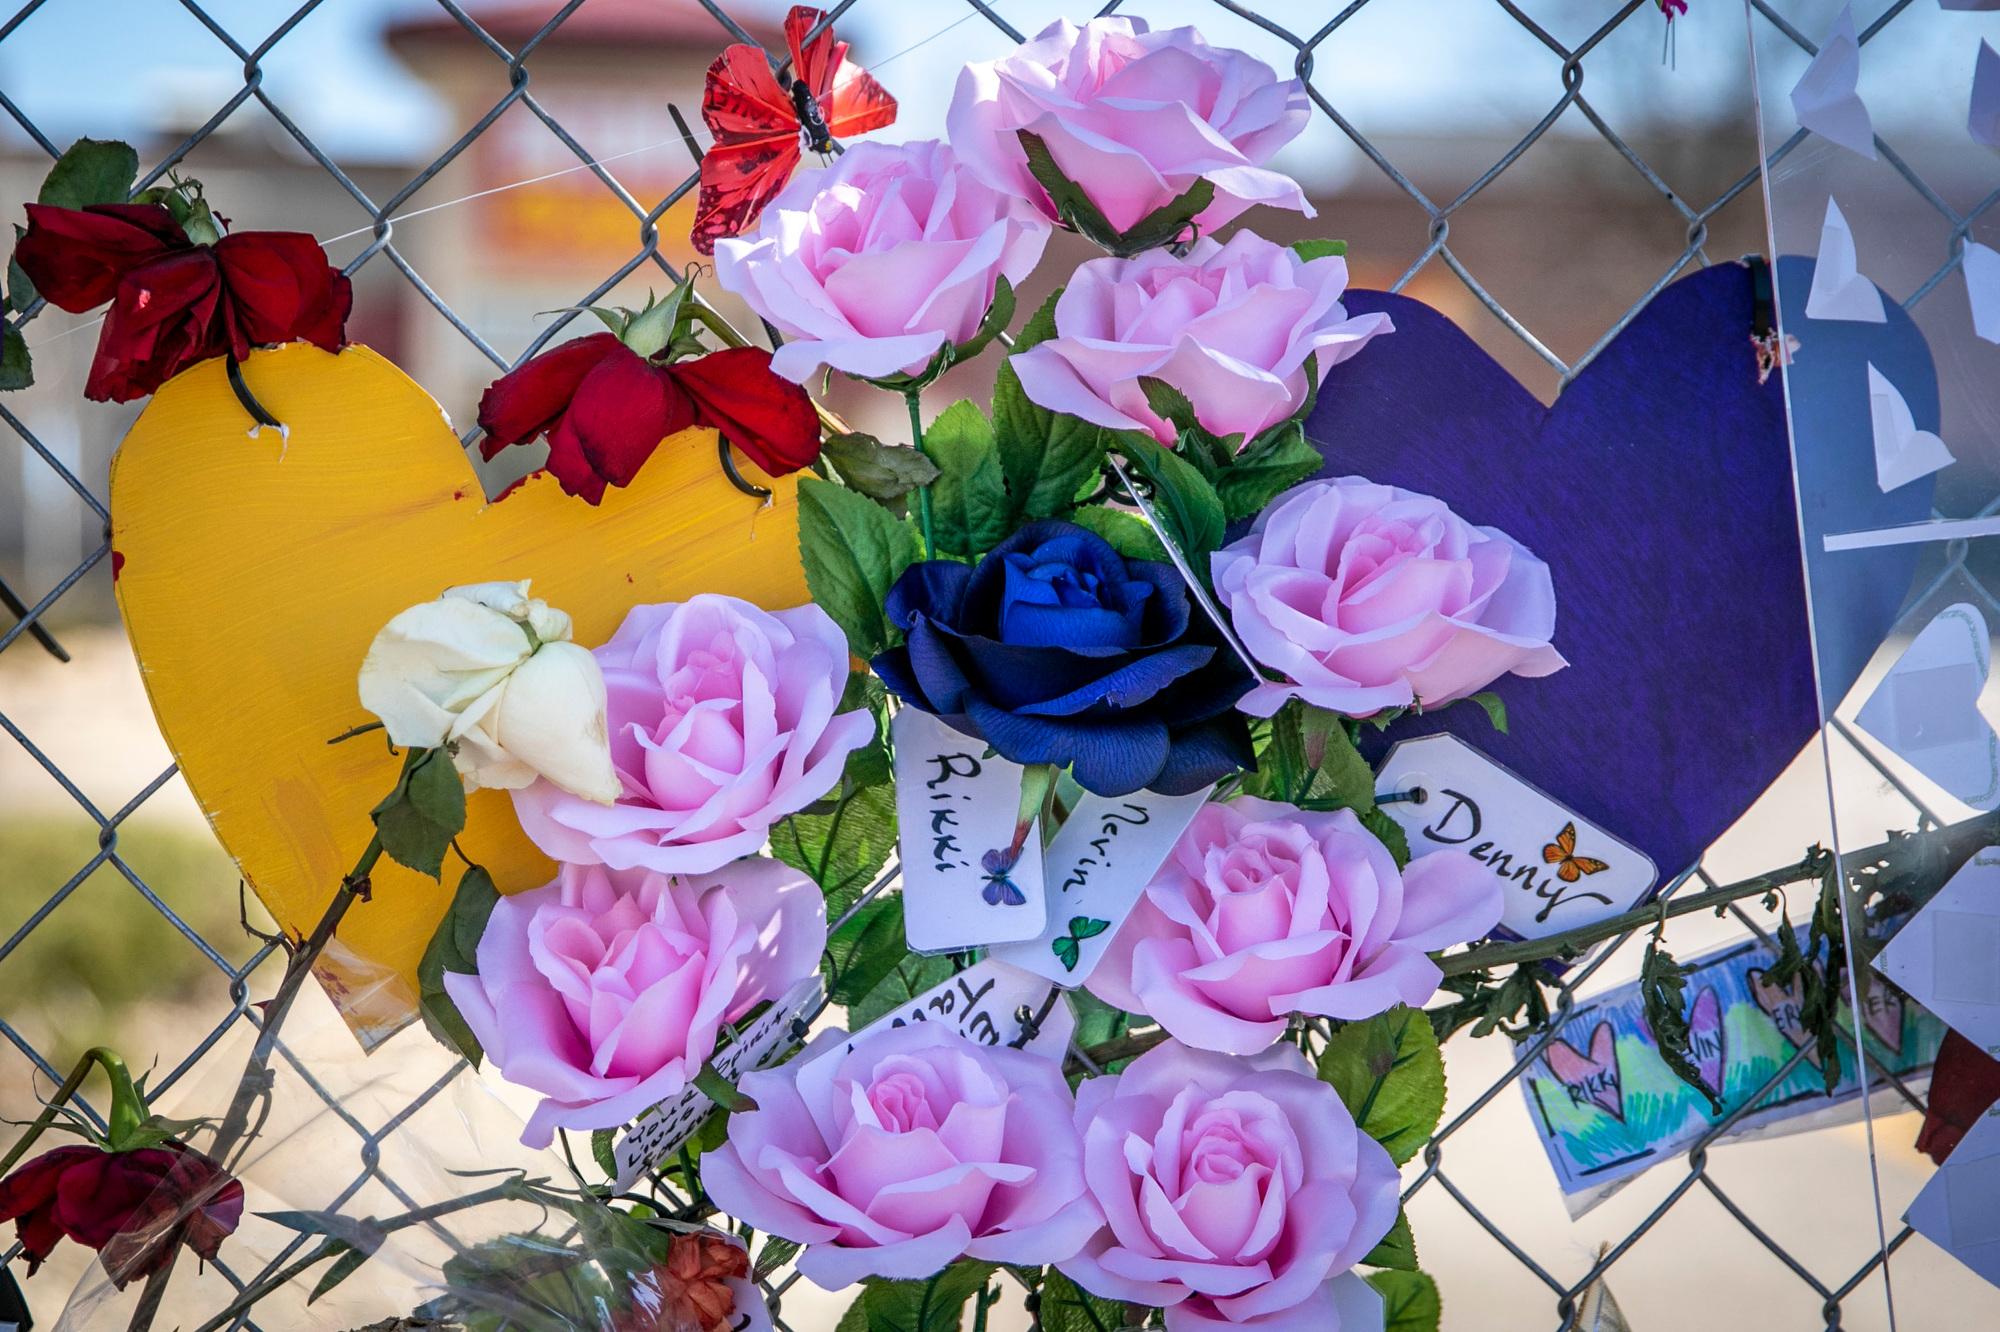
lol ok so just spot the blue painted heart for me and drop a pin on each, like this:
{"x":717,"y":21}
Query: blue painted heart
{"x":1659,"y":489}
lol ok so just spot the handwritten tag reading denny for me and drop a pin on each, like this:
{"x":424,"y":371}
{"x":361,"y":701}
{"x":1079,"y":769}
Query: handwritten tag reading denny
{"x":990,"y":1003}
{"x":1560,"y":870}
{"x":963,"y":884}
{"x":1100,"y":860}
{"x":672,"y":1122}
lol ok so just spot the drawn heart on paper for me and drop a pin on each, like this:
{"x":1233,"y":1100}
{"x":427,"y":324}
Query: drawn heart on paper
{"x":1882,"y":1012}
{"x":253,"y":573}
{"x":1591,"y":1079}
{"x":1659,"y":489}
{"x":1705,"y":1036}
{"x":1783,"y":1005}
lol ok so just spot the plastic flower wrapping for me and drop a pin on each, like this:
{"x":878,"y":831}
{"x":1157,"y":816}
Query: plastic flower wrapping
{"x":1045,"y":889}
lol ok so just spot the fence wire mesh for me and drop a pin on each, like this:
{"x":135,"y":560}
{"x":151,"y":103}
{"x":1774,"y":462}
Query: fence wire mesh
{"x":1821,"y":1293}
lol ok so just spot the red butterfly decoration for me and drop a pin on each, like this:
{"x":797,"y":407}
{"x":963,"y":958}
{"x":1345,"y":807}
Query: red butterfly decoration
{"x":761,"y":126}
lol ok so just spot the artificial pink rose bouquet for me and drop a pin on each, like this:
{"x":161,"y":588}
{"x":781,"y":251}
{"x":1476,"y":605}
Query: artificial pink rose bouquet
{"x":606,"y":990}
{"x":1263,"y":910}
{"x":724,"y":718}
{"x":1236,"y":1193}
{"x":917,"y":1147}
{"x":1365,"y":597}
{"x":1135,"y":116}
{"x":1242,"y":330}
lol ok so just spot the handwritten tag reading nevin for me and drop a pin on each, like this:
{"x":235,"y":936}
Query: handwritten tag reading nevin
{"x":672,"y":1122}
{"x":990,"y":1003}
{"x":1559,"y":869}
{"x":1096,"y":866}
{"x":964,"y":885}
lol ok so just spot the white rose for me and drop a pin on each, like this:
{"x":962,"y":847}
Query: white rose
{"x":491,"y":671}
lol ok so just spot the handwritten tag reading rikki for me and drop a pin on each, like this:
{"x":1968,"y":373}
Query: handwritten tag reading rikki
{"x":662,"y":1130}
{"x":1098,"y":863}
{"x":964,"y":883}
{"x":1560,"y":870}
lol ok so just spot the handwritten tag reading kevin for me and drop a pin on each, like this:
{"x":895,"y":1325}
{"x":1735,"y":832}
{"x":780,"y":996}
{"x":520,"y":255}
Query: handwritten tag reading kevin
{"x":666,"y":1126}
{"x":989,"y":1003}
{"x":1098,"y":863}
{"x":964,"y":884}
{"x":1559,"y":870}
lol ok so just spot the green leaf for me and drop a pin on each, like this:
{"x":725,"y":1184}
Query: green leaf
{"x":710,"y":1083}
{"x":911,"y":975}
{"x":1194,"y":442}
{"x":1496,"y":709}
{"x":1390,"y":1073}
{"x":1074,"y":207}
{"x":853,"y":551}
{"x":20,"y":291}
{"x":17,"y":369}
{"x":454,"y":947}
{"x":1169,"y":222}
{"x":844,"y":850}
{"x":998,"y":316}
{"x":1389,"y":833}
{"x":861,"y":954}
{"x":1127,"y":533}
{"x":418,"y":819}
{"x":1184,"y":500}
{"x":1319,"y":249}
{"x":343,"y":1267}
{"x":879,"y":471}
{"x":1409,"y":1301}
{"x":969,"y":507}
{"x":936,"y":1304}
{"x":1397,"y":1249}
{"x":777,"y":1251}
{"x":1663,"y":989}
{"x":1267,"y":467}
{"x":91,"y":171}
{"x":1046,"y":457}
{"x":1068,"y":1307}
{"x":1310,"y":760}
{"x":602,"y":1143}
{"x":648,"y":331}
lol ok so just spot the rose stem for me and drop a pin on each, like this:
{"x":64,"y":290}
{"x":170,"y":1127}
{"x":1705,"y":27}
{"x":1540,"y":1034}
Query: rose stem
{"x":915,"y":400}
{"x":95,"y":1055}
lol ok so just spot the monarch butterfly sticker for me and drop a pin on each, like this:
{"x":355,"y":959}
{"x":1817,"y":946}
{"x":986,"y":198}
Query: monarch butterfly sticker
{"x":1569,"y":865}
{"x":1068,"y":947}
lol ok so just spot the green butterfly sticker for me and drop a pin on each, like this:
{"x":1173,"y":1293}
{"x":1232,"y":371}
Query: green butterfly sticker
{"x":1080,"y":928}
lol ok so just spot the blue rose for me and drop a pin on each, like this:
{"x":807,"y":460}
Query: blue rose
{"x":1055,"y":648}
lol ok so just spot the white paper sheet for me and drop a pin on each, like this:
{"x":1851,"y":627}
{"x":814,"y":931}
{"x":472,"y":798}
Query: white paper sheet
{"x":1839,"y":289}
{"x":1959,"y":1210}
{"x":1927,"y":707}
{"x":1947,"y":956}
{"x":1825,"y":97}
{"x":1982,"y":289}
{"x":1982,"y":122}
{"x":1902,"y":452}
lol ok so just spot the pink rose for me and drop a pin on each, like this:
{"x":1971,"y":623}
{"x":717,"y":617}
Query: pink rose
{"x":1368,"y":597}
{"x":604,"y":991}
{"x":914,"y":1149}
{"x":1135,"y":117}
{"x":722,"y":722}
{"x":873,"y":264}
{"x":1236,"y":1193}
{"x":1231,"y":326}
{"x":1263,"y":910}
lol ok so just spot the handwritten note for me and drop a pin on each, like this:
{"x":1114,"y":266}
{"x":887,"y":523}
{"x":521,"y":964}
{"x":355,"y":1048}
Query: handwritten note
{"x":1100,"y":860}
{"x":965,"y":883}
{"x":990,"y":1002}
{"x":1560,"y":869}
{"x":660,"y":1132}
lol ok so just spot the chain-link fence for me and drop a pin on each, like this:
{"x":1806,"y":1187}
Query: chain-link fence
{"x":1826,"y":1284}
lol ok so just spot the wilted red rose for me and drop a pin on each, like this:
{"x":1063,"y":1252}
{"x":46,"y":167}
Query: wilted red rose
{"x":605,"y":409}
{"x":1965,"y":1082}
{"x":174,"y":303}
{"x":690,"y":1291}
{"x":132,"y":1207}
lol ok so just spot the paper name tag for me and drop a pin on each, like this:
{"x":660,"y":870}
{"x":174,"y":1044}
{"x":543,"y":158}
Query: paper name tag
{"x":1559,"y":870}
{"x":672,"y":1122}
{"x":1100,"y":860}
{"x":963,"y":887}
{"x":989,"y":1003}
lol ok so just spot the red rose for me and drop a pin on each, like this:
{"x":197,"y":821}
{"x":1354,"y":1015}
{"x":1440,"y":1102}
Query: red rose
{"x":173,"y":302}
{"x":132,"y":1207}
{"x":1965,"y":1082}
{"x":690,"y":1291}
{"x":605,"y":409}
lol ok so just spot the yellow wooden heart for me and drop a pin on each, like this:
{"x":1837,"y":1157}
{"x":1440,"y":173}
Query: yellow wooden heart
{"x":252,"y":574}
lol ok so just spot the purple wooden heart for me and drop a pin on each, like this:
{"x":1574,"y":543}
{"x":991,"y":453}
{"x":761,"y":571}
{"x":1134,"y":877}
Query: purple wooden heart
{"x":1659,"y":489}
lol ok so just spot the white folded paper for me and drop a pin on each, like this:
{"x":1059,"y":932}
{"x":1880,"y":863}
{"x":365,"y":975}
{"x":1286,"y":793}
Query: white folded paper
{"x":1825,"y":97}
{"x":1839,"y":289}
{"x":1902,"y":452}
{"x":1927,"y":707}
